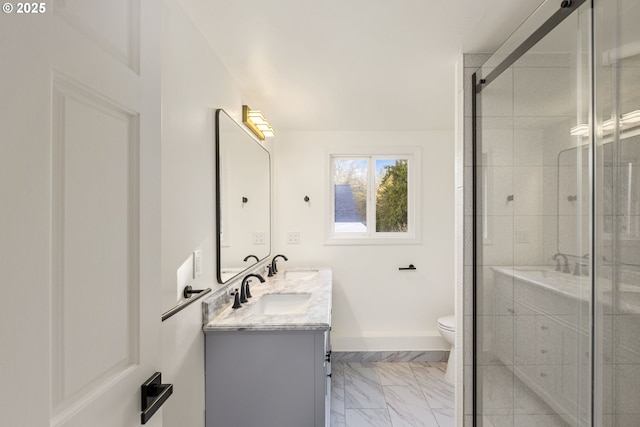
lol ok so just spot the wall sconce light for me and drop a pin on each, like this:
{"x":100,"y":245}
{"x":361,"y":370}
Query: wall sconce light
{"x":255,"y":121}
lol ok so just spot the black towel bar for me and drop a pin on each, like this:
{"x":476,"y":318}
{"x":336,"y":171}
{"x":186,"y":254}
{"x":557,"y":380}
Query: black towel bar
{"x":184,"y":304}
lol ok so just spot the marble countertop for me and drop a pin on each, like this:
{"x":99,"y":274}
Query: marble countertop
{"x":566,"y":284}
{"x":316,"y":317}
{"x":625,"y":300}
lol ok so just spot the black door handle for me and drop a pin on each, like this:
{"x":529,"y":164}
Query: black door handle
{"x":153,"y":395}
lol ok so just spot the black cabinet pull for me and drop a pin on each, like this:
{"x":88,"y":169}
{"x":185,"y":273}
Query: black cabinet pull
{"x":411,"y":267}
{"x":153,"y":395}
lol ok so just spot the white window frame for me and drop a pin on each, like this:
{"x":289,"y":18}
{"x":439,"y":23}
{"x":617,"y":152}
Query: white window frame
{"x":414,"y":208}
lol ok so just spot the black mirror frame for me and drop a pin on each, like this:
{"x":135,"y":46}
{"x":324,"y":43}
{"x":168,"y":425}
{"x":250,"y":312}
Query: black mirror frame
{"x":219,"y":198}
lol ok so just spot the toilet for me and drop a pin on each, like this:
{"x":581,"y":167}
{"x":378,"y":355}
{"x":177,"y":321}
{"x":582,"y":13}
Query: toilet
{"x":447,"y":328}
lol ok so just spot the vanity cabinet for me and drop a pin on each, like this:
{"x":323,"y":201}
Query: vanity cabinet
{"x":268,"y":378}
{"x":546,"y":346}
{"x":503,"y":320}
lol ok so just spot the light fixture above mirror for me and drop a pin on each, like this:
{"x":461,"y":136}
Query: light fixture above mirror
{"x":255,"y":121}
{"x":627,"y":121}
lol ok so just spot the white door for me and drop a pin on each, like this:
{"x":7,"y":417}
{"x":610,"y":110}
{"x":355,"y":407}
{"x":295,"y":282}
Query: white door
{"x":79,"y":211}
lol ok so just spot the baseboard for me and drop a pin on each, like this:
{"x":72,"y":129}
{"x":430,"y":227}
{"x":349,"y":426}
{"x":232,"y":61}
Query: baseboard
{"x":423,"y":343}
{"x":389,"y":356}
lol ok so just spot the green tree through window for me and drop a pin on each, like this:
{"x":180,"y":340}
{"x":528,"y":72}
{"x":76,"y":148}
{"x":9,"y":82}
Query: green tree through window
{"x":391,"y":198}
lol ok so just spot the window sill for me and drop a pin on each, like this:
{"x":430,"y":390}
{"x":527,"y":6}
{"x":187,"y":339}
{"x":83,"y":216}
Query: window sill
{"x":372,"y":241}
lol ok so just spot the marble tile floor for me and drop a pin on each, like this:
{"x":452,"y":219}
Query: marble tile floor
{"x":391,"y":394}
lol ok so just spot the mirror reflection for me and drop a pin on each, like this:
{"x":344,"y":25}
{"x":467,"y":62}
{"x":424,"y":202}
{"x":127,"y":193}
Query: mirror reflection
{"x":620,"y":192}
{"x":242,"y":198}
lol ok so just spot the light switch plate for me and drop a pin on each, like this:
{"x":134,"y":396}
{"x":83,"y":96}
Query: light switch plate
{"x":197,"y":263}
{"x":184,"y":275}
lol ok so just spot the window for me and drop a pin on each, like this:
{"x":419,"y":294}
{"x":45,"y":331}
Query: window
{"x":373,"y":198}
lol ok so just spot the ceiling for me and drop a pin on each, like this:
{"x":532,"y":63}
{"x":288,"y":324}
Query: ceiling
{"x":353,"y":64}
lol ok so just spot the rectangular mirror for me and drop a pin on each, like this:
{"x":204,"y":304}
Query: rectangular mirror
{"x":620,"y":193}
{"x":243,"y":199}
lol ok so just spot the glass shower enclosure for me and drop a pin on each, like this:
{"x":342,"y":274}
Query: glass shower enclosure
{"x":556,"y":221}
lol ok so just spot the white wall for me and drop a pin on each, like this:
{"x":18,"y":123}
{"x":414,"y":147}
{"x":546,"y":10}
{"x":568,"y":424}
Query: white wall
{"x":375,"y":306}
{"x":194,"y":84}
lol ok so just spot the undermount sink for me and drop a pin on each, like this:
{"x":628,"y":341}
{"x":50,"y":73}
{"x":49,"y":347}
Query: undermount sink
{"x":300,"y":274}
{"x":285,"y":303}
{"x":533,"y":272}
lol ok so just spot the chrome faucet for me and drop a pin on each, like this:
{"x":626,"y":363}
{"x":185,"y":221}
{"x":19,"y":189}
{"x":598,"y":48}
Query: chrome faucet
{"x":274,"y":267}
{"x":565,"y":268}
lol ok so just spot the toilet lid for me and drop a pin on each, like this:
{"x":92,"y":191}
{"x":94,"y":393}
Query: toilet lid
{"x":448,"y":323}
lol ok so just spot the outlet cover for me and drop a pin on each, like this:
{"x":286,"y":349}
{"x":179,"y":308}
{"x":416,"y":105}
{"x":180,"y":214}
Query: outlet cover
{"x":259,"y":238}
{"x":293,"y":238}
{"x":522,"y":237}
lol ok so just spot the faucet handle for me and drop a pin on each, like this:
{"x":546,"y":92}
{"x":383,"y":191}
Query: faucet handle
{"x":247,"y":290}
{"x":236,"y":301}
{"x":577,"y":270}
{"x":270,"y":271}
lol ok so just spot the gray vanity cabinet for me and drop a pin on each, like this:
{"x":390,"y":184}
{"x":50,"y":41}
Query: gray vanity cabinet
{"x":267,"y":378}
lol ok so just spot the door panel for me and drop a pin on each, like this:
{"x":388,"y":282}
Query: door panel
{"x":95,"y":241}
{"x":94,"y":20}
{"x":80,"y":225}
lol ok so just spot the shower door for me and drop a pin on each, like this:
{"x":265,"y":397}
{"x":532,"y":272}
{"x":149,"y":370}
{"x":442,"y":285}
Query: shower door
{"x":617,"y":225}
{"x":556,"y":209}
{"x":533,"y":232}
